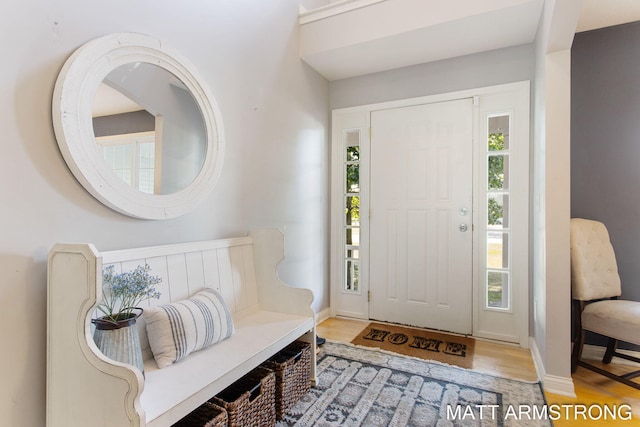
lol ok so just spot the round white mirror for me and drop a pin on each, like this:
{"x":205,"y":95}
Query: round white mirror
{"x":137,"y":127}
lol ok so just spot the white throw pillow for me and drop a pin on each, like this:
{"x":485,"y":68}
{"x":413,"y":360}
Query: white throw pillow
{"x":175,"y":330}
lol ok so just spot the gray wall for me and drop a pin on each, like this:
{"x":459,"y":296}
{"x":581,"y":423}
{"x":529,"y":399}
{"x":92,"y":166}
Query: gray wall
{"x":605,"y":140}
{"x":117,"y":124}
{"x":275,"y":112}
{"x":466,"y":72}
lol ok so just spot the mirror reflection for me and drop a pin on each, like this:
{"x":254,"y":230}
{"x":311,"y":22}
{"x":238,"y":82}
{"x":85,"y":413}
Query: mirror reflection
{"x":149,"y":128}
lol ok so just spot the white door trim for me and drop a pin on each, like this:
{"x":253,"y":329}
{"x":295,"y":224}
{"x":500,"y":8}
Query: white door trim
{"x":358,"y":117}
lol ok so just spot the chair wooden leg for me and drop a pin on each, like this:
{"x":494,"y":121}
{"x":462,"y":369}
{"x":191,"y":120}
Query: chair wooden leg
{"x":577,"y":350}
{"x":611,"y":351}
{"x":578,"y":334}
{"x":624,"y":379}
{"x":612,"y":345}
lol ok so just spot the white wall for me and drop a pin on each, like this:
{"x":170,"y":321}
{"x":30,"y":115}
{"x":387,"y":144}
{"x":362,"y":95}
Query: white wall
{"x":314,"y":4}
{"x":551,"y":195}
{"x":275,"y":111}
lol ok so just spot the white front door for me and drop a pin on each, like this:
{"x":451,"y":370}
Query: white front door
{"x":421,"y":188}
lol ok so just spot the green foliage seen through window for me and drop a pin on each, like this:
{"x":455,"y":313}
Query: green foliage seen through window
{"x":496,"y":178}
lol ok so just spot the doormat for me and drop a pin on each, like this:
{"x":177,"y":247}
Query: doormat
{"x":420,"y":343}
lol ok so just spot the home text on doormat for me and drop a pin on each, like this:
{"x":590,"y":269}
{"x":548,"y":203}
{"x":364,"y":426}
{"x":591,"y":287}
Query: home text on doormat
{"x":424,"y":344}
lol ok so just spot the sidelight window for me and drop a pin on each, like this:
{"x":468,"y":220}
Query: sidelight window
{"x":351,"y":197}
{"x":498,"y":231}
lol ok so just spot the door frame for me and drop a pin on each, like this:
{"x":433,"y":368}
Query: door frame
{"x":515,"y":99}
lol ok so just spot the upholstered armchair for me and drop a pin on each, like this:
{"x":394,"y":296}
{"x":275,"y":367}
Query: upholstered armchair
{"x":595,"y":288}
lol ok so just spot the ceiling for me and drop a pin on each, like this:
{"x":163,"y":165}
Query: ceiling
{"x":349,"y":38}
{"x":109,"y":101}
{"x":605,"y":13}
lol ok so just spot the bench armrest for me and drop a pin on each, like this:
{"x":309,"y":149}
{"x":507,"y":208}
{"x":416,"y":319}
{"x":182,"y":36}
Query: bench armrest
{"x":74,"y":363}
{"x":273,"y":293}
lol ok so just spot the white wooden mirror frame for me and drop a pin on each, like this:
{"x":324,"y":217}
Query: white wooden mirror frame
{"x":73,"y":98}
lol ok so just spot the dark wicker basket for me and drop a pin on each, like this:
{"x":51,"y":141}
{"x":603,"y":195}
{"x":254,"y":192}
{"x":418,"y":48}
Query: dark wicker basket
{"x":292,"y":367}
{"x":250,"y":401}
{"x":207,"y":415}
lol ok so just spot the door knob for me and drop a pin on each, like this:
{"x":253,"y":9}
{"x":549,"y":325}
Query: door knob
{"x":463,"y":227}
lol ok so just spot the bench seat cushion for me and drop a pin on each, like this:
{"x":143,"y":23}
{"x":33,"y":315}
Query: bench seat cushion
{"x":618,"y":319}
{"x":188,"y":383}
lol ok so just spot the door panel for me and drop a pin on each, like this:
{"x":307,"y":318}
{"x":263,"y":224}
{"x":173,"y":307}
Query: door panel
{"x":421,"y":196}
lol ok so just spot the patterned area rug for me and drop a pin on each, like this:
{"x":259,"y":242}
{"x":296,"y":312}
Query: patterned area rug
{"x":363,"y":387}
{"x":451,"y":349}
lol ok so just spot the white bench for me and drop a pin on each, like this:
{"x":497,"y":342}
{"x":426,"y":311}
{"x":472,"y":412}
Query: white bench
{"x":85,"y":388}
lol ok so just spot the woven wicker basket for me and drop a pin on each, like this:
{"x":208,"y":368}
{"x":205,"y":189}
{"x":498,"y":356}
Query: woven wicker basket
{"x":207,"y":415}
{"x":292,"y":367}
{"x":250,"y":401}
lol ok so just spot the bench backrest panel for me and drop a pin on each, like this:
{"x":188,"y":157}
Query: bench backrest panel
{"x":225,"y":265}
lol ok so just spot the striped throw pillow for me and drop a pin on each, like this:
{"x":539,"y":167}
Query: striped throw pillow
{"x":175,"y":330}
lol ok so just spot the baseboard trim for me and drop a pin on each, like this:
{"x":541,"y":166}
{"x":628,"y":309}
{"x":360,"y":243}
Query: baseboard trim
{"x":596,"y":352}
{"x":537,"y":358}
{"x":562,"y":386}
{"x":323,"y":315}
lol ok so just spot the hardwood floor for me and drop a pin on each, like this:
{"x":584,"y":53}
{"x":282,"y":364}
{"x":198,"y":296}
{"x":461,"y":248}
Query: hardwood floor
{"x":513,"y":362}
{"x":595,"y":389}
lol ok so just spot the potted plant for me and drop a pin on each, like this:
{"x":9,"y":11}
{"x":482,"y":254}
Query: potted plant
{"x":116,"y":333}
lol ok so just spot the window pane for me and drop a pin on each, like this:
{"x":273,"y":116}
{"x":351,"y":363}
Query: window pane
{"x":108,"y":154}
{"x":352,"y":211}
{"x":497,"y":211}
{"x":124,"y":175}
{"x":498,"y":289}
{"x":147,"y":155}
{"x":497,"y":250}
{"x":352,"y":138}
{"x":498,"y":133}
{"x":353,"y":252}
{"x":353,"y":178}
{"x":146,"y":167}
{"x":119,"y":158}
{"x":497,"y":171}
{"x":353,"y":154}
{"x":351,"y":276}
{"x":352,"y":236}
{"x":145,"y":179}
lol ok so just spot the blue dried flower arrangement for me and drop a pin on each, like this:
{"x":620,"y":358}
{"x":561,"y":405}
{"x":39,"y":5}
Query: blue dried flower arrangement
{"x":123,"y":292}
